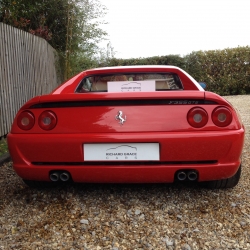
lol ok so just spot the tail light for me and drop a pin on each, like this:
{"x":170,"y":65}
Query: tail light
{"x":197,"y":117}
{"x":25,"y":120}
{"x":47,"y":120}
{"x":222,"y":116}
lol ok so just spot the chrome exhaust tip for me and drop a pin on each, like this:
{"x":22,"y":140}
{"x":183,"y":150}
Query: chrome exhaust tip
{"x":54,"y":176}
{"x":192,"y":175}
{"x":181,"y":176}
{"x":64,"y":176}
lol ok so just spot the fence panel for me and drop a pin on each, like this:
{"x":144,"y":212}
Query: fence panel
{"x":27,"y":69}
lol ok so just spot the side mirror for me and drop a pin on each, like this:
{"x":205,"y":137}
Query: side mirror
{"x":203,"y":85}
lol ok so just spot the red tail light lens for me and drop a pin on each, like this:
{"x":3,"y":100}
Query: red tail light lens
{"x":25,"y":120}
{"x":222,"y":116}
{"x":197,"y":117}
{"x":47,"y":120}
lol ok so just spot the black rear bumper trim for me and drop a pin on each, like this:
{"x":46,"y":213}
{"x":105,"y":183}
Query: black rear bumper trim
{"x":126,"y":163}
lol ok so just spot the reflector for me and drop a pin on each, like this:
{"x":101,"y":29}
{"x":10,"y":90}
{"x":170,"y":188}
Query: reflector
{"x":25,"y":121}
{"x":46,"y":121}
{"x":222,"y":117}
{"x":197,"y":118}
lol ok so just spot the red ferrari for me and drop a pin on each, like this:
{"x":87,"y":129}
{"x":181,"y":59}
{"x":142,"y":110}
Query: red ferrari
{"x":136,"y":124}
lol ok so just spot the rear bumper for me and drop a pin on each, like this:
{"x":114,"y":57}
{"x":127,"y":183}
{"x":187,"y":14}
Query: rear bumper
{"x":214,"y":155}
{"x":127,"y":174}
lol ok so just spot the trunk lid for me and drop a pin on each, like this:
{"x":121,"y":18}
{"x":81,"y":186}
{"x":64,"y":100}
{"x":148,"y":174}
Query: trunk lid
{"x":119,"y":112}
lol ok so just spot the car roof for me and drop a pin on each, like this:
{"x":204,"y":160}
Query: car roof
{"x":133,"y":68}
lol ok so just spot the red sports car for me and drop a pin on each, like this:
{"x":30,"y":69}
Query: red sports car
{"x":138,"y":124}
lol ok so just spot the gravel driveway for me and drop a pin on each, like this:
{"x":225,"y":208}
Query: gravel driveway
{"x":127,"y":216}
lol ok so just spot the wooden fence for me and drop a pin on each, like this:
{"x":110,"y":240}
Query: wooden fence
{"x":28,"y":67}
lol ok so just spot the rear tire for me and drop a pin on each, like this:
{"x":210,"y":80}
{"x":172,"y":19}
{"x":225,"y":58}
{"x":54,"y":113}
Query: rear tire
{"x":224,"y":183}
{"x":40,"y":184}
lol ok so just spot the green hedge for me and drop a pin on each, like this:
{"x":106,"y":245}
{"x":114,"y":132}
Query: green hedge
{"x":156,"y":60}
{"x":226,"y":72}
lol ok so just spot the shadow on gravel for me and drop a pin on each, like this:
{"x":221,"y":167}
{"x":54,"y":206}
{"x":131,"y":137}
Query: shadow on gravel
{"x":15,"y":193}
{"x":105,"y":194}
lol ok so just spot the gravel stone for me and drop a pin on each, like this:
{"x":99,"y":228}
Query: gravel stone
{"x":137,"y":211}
{"x":127,"y":216}
{"x":84,"y":221}
{"x":186,"y":247}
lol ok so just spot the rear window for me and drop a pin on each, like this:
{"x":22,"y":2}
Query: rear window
{"x":135,"y":82}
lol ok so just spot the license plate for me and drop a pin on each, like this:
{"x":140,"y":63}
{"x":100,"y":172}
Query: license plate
{"x":121,"y":152}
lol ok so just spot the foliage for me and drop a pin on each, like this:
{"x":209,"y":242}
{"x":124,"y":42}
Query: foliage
{"x":226,"y":72}
{"x":84,"y":35}
{"x":156,"y":60}
{"x":70,"y":26}
{"x":105,"y":56}
{"x":3,"y":146}
{"x":78,"y":61}
{"x":30,"y":16}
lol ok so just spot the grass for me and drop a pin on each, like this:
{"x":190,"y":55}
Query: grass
{"x":3,"y":146}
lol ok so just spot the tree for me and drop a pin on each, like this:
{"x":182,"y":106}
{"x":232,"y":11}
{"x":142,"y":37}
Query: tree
{"x":84,"y":35}
{"x":72,"y":27}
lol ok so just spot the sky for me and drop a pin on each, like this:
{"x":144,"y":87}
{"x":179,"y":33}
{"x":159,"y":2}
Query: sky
{"x":143,"y":28}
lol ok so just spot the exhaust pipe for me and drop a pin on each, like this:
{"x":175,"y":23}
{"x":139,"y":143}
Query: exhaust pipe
{"x":54,"y":176}
{"x":181,"y":176}
{"x":64,"y":176}
{"x":192,"y":175}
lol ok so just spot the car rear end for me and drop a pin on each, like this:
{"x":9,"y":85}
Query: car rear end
{"x":102,"y":136}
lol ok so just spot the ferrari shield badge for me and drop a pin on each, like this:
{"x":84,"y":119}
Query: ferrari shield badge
{"x":120,"y":118}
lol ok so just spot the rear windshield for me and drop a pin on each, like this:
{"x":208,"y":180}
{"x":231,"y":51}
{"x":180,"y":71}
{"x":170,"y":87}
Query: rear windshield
{"x":135,"y":82}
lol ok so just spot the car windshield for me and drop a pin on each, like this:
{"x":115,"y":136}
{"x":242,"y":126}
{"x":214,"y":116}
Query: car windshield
{"x":130,"y":82}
